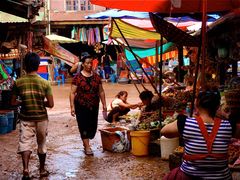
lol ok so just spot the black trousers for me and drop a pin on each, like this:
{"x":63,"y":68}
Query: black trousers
{"x":87,"y":119}
{"x":121,"y":111}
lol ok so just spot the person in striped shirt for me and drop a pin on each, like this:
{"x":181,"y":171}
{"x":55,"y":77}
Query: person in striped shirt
{"x":35,"y":95}
{"x":206,"y":140}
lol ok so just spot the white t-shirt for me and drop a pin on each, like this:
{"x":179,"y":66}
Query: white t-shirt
{"x":114,"y":103}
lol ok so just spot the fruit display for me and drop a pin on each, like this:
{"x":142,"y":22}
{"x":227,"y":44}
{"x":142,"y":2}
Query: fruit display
{"x":234,"y":153}
{"x":176,"y":99}
{"x":170,"y":118}
{"x":148,"y":120}
{"x":129,"y":117}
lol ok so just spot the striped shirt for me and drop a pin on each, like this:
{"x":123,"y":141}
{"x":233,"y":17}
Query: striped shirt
{"x":32,"y":89}
{"x":209,"y":168}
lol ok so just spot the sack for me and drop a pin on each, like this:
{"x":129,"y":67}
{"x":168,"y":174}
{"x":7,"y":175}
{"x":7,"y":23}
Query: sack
{"x":122,"y":145}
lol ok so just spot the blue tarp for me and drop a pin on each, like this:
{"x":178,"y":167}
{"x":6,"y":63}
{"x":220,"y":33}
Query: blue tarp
{"x":116,"y":13}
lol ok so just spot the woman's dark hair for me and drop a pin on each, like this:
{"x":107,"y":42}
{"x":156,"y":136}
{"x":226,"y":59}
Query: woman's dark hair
{"x":146,"y":95}
{"x":121,"y":93}
{"x":31,"y":62}
{"x":209,"y":100}
{"x":86,"y":57}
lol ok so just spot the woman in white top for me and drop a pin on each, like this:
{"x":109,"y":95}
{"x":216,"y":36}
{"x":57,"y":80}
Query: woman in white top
{"x":119,"y":106}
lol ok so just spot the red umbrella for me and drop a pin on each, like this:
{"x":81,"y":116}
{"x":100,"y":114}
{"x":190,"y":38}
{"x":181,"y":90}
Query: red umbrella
{"x":169,"y":6}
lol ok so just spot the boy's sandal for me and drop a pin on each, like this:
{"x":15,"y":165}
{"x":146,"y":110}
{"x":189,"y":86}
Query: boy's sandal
{"x":88,"y":151}
{"x":44,"y":173}
{"x":26,"y":175}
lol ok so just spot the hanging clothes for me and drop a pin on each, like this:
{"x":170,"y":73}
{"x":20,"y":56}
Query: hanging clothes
{"x":97,"y":35}
{"x":73,"y":33}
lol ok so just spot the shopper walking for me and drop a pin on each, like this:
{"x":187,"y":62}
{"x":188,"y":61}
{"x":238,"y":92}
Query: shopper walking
{"x":32,"y":90}
{"x":86,"y":93}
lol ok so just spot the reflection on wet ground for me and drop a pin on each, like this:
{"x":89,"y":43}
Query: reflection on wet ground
{"x":66,"y":159}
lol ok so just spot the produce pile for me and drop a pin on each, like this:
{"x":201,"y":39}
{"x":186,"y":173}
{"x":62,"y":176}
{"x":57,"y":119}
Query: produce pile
{"x":148,"y":120}
{"x":129,"y":117}
{"x":176,"y":99}
{"x":234,"y":153}
{"x":170,"y":118}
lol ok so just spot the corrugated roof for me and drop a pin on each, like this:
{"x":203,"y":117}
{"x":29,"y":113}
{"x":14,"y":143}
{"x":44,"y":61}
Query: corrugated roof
{"x":9,"y":18}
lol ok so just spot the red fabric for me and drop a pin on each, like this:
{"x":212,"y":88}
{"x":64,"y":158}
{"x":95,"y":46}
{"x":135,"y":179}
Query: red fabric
{"x":165,"y":6}
{"x":209,"y":141}
{"x":209,"y":138}
{"x":42,"y":69}
{"x":177,"y":174}
{"x":95,"y":63}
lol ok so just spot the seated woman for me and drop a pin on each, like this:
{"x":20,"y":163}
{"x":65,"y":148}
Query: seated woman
{"x":119,"y":107}
{"x":206,"y":140}
{"x":150,"y":102}
{"x":151,"y":107}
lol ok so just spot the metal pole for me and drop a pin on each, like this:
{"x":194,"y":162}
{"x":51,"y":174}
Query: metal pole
{"x":134,"y":73}
{"x":155,"y":89}
{"x":204,"y":20}
{"x":160,"y":82}
{"x":195,"y":81}
{"x":48,"y":17}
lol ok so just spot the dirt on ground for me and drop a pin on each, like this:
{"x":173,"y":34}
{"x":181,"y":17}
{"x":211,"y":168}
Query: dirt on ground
{"x":66,"y":158}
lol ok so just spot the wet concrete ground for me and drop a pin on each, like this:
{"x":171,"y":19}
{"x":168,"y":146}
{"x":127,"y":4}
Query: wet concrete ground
{"x":65,"y":157}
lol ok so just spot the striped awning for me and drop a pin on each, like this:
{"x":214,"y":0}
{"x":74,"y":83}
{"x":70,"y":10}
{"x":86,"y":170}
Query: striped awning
{"x":142,"y":53}
{"x":168,"y":55}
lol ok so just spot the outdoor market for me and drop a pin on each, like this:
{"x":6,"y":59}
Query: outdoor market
{"x":130,"y":90}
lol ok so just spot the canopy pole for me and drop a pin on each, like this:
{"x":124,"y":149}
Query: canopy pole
{"x":195,"y":81}
{"x":160,"y":81}
{"x":134,"y":73}
{"x":155,"y":89}
{"x":204,"y":20}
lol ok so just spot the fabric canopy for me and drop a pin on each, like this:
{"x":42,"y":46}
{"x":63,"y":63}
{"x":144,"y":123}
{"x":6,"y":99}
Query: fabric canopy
{"x":169,"y":6}
{"x":131,"y":32}
{"x":56,"y":50}
{"x":142,"y":53}
{"x":168,"y":55}
{"x":132,"y":42}
{"x":116,"y":13}
{"x":172,"y":33}
{"x":60,"y":39}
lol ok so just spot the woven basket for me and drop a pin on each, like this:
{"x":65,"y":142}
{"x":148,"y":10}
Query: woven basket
{"x":233,"y":99}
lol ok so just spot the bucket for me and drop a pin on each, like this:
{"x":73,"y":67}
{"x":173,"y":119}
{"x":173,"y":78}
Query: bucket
{"x":10,"y":116}
{"x":139,"y":142}
{"x":3,"y":124}
{"x":168,"y":145}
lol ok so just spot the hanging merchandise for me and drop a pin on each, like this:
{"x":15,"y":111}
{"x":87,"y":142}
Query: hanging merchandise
{"x":105,"y":31}
{"x":97,"y":34}
{"x":74,"y":33}
{"x":82,"y":34}
{"x":91,"y":36}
